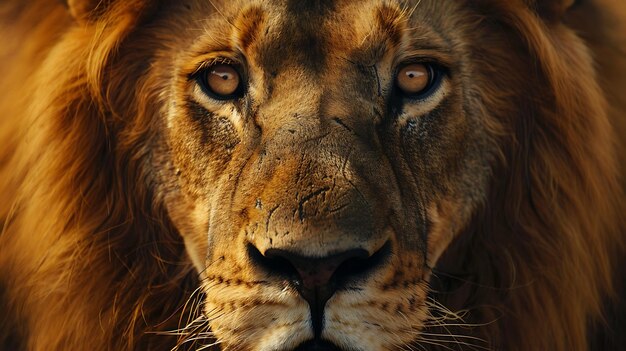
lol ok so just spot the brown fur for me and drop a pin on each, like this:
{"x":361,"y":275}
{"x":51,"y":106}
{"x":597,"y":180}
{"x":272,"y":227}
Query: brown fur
{"x":104,"y":214}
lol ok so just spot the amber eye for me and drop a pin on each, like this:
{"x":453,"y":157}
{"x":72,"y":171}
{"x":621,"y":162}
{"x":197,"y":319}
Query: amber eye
{"x":416,"y":79}
{"x":222,"y":81}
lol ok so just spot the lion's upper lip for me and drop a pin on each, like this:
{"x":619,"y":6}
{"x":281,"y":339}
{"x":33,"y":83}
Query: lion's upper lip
{"x":317,"y":345}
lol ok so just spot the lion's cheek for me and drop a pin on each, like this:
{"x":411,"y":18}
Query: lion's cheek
{"x":196,"y":249}
{"x":191,"y":221}
{"x":444,"y":217}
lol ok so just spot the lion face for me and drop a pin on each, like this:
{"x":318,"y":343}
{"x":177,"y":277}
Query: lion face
{"x":321,"y":156}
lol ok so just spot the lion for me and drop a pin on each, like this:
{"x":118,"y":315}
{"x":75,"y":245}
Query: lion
{"x":312,"y":175}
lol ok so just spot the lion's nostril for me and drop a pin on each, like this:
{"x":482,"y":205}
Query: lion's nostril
{"x":274,"y":265}
{"x":356,"y":267}
{"x":317,"y":279}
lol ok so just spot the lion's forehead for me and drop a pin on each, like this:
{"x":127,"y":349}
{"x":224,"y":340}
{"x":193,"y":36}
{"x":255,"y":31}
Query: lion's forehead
{"x":313,"y":36}
{"x":319,"y":37}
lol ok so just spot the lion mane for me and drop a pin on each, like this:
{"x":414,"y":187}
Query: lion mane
{"x":89,"y":259}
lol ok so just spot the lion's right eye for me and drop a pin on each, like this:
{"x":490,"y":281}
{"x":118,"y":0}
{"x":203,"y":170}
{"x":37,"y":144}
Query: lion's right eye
{"x":418,"y":80}
{"x":221,"y":82}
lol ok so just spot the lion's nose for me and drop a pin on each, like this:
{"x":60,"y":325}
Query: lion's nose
{"x":316,"y":273}
{"x":318,"y":278}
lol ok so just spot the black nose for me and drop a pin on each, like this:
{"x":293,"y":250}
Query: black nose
{"x":317,"y":279}
{"x":316,"y":273}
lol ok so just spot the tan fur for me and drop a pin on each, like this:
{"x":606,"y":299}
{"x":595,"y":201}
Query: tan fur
{"x":121,"y":221}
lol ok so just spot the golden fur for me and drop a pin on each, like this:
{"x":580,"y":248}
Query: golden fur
{"x":99,"y":247}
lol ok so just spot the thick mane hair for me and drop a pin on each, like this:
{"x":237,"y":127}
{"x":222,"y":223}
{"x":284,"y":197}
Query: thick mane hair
{"x":554,"y":214}
{"x":83,"y":181}
{"x":93,"y":261}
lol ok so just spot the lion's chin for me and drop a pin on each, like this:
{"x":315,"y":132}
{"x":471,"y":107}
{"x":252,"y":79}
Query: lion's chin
{"x":317,"y":345}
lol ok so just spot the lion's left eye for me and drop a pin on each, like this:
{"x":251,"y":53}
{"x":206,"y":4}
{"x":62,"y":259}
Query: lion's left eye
{"x":221,"y":82}
{"x":417,"y":80}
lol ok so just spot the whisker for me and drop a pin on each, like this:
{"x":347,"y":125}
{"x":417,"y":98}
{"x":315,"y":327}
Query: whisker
{"x":460,"y":336}
{"x":467,"y":325}
{"x":430,"y":342}
{"x":455,"y":342}
{"x":209,"y":345}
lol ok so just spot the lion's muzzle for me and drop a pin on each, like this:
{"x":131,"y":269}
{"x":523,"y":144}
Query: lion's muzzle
{"x":315,"y":224}
{"x":317,"y":279}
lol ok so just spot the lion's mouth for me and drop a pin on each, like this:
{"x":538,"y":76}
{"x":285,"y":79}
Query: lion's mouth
{"x":317,"y":345}
{"x":306,"y":303}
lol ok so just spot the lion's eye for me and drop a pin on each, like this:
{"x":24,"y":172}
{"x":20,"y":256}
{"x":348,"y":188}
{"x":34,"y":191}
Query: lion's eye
{"x":222,"y":82}
{"x":416,"y":80}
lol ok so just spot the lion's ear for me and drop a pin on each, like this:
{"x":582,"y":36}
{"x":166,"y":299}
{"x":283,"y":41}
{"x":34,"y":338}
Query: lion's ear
{"x":86,"y":10}
{"x":551,"y":10}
